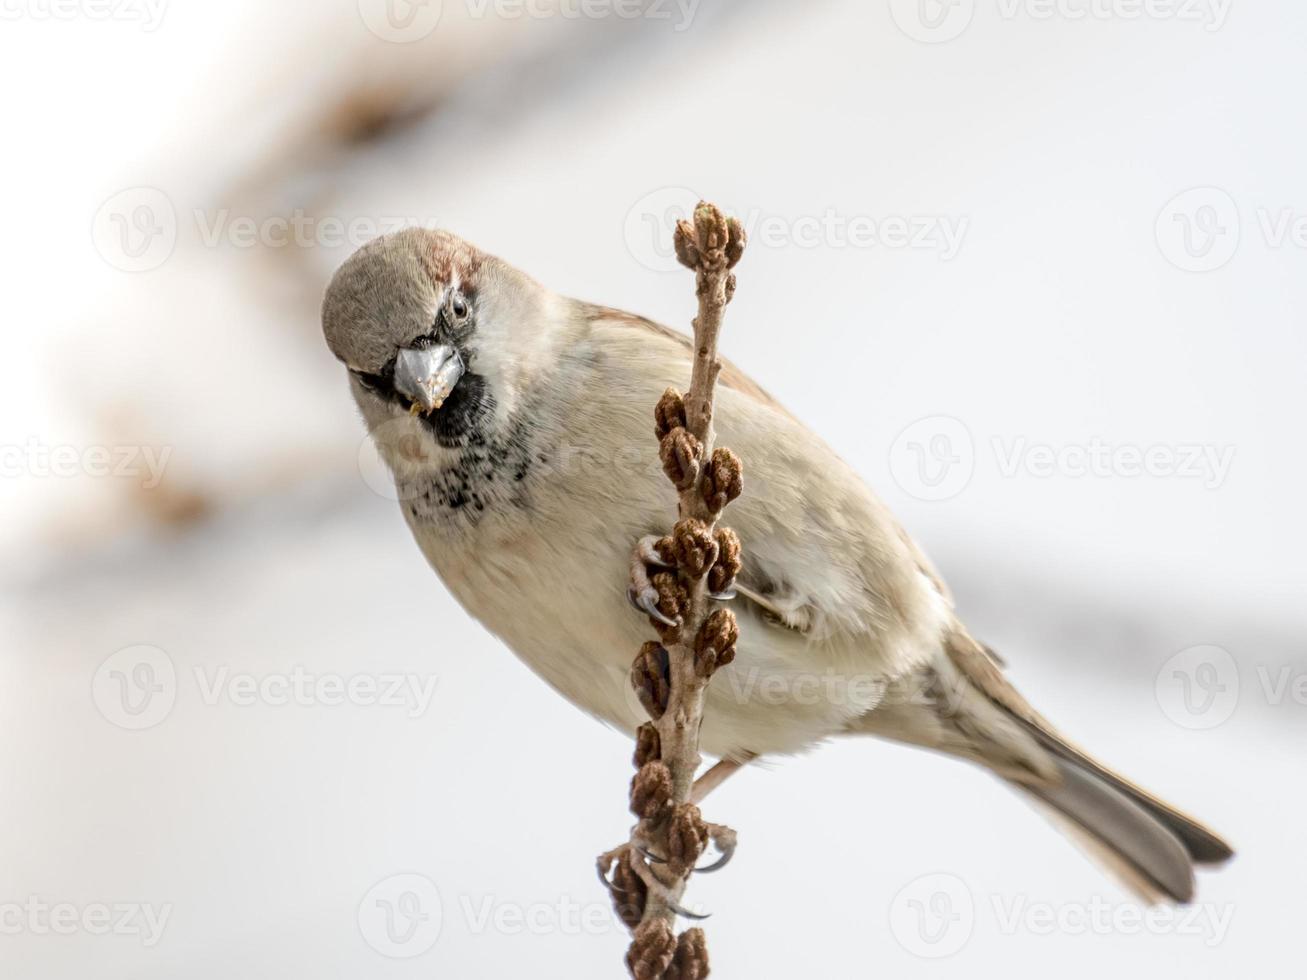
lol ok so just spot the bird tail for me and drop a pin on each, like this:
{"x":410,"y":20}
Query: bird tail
{"x":1149,"y":846}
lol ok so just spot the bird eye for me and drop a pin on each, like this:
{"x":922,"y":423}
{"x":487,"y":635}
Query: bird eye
{"x":458,"y":307}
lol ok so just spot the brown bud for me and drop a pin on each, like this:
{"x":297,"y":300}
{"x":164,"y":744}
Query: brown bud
{"x":648,"y":744}
{"x":730,"y":286}
{"x":738,"y":241}
{"x":628,"y":891}
{"x":695,"y":547}
{"x":687,"y":252}
{"x":651,"y":951}
{"x":687,"y":836}
{"x":680,"y":453}
{"x":673,"y":601}
{"x":669,"y":413}
{"x":723,"y":480}
{"x":714,"y":647}
{"x":651,"y":790}
{"x":690,"y":962}
{"x":712,"y":234}
{"x":666,"y":548}
{"x":722,"y":576}
{"x":651,"y":678}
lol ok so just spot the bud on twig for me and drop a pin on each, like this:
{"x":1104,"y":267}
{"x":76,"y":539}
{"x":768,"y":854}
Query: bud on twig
{"x":695,"y":547}
{"x":648,"y":747}
{"x":680,"y":453}
{"x":691,"y":959}
{"x":723,"y":480}
{"x":651,"y":790}
{"x":651,"y":951}
{"x":673,"y":601}
{"x":669,"y":413}
{"x":629,"y":892}
{"x":714,"y":647}
{"x":687,"y":837}
{"x":721,"y":579}
{"x":651,"y":680}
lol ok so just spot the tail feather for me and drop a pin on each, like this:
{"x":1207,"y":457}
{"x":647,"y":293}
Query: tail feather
{"x":1202,"y":845}
{"x":966,"y":708}
{"x":1128,"y":840}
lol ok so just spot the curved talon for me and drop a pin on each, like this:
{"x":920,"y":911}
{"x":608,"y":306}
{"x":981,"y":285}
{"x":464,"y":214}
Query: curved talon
{"x":647,"y":551}
{"x":649,"y":855}
{"x":686,"y":913}
{"x":724,"y":596}
{"x":646,"y":601}
{"x":717,"y":865}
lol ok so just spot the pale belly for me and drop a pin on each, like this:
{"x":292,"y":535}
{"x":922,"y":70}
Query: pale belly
{"x":558,"y":601}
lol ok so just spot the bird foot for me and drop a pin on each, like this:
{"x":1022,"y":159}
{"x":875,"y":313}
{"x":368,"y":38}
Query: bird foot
{"x":641,"y":592}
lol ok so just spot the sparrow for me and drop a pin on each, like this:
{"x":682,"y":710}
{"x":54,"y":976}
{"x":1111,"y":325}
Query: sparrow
{"x":518,"y":425}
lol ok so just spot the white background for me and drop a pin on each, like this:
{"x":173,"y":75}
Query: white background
{"x":1069,"y":315}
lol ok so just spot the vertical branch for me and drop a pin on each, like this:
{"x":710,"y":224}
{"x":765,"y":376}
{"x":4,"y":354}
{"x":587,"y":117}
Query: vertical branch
{"x":650,"y":872}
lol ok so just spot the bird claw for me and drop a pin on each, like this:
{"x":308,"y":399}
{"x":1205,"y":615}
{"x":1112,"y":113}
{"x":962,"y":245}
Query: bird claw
{"x":726,"y":596}
{"x":725,"y":840}
{"x":649,"y":855}
{"x":684,"y":912}
{"x":646,"y":550}
{"x":646,"y":600}
{"x":642,"y":595}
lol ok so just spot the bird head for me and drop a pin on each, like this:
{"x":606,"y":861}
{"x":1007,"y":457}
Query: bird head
{"x":438,"y":337}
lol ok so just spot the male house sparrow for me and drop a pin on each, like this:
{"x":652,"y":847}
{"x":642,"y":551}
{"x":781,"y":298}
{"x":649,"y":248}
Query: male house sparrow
{"x":518,"y":426}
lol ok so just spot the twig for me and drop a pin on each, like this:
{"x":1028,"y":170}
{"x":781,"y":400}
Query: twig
{"x":651,"y":871}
